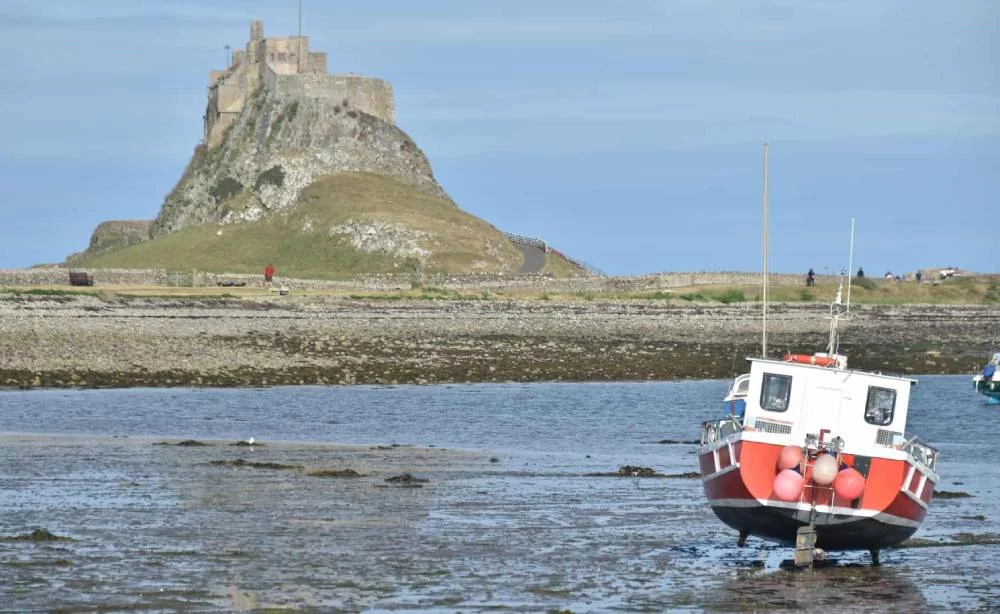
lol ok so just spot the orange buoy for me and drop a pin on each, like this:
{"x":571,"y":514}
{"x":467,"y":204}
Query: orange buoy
{"x":788,"y":485}
{"x":849,"y":483}
{"x":789,"y":458}
{"x":810,"y":359}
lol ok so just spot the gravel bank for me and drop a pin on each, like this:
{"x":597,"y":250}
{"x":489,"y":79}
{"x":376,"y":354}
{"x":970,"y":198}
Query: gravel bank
{"x":85,"y":341}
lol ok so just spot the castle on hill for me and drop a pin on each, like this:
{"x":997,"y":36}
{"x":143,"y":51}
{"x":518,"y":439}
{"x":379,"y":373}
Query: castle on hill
{"x":288,"y":69}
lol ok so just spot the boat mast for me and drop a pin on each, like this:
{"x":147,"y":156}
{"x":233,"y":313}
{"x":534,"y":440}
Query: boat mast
{"x":850,"y":267}
{"x":764,"y":258}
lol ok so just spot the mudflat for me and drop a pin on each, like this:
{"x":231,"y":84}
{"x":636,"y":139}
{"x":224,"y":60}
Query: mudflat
{"x":86,"y":341}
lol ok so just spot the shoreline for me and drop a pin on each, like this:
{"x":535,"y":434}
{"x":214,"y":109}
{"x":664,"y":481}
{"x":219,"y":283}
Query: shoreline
{"x":87,"y":341}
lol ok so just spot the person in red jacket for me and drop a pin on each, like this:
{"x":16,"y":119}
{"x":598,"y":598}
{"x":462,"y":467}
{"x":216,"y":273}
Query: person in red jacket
{"x":268,"y":273}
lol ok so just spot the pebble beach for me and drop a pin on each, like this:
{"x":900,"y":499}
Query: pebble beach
{"x":91,"y":341}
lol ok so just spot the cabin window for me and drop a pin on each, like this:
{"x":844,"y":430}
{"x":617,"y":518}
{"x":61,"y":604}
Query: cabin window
{"x":742,"y":387}
{"x":775,"y":392}
{"x":881,"y":405}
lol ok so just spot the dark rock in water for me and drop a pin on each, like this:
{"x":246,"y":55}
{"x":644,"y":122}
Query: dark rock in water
{"x":335,"y":473}
{"x":631,"y":471}
{"x":959,"y":539}
{"x":977,"y":539}
{"x":678,"y":441}
{"x":188,"y":443}
{"x":690,"y":475}
{"x":406,"y":478}
{"x":945,"y":494}
{"x":494,"y":459}
{"x":247,"y":444}
{"x":628,"y":471}
{"x":38,"y":535}
{"x":244,"y":463}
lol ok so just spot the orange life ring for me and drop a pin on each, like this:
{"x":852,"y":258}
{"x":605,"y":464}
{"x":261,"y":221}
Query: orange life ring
{"x":809,"y":359}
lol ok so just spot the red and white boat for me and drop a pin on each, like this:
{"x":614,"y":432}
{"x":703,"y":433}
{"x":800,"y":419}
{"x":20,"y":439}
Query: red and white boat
{"x":813,"y":454}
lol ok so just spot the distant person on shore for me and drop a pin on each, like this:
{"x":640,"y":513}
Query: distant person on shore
{"x":811,"y":278}
{"x":268,"y":273}
{"x":861,"y":273}
{"x":918,"y":276}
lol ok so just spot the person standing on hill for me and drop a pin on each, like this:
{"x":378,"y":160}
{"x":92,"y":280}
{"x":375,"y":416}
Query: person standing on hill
{"x":268,"y":273}
{"x":861,"y":273}
{"x":811,"y":278}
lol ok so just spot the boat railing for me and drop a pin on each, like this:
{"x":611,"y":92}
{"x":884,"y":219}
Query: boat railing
{"x":922,"y":453}
{"x":720,"y":429}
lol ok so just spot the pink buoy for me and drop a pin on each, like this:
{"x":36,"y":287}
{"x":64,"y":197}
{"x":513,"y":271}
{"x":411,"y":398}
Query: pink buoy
{"x":788,"y":485}
{"x":849,"y":484}
{"x":824,"y":469}
{"x":790,"y":457}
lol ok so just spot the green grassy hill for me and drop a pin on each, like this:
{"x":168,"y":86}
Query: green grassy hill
{"x":342,"y":225}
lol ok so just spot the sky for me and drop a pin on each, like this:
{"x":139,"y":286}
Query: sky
{"x":628,"y":135}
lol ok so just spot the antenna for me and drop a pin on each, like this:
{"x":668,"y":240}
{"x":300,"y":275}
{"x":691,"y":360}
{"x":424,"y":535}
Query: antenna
{"x":850,"y":267}
{"x":228,"y":61}
{"x":300,"y":18}
{"x":763,"y":343}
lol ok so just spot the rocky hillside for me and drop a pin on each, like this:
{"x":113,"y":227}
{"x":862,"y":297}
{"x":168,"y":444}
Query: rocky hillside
{"x":340,"y":225}
{"x":320,"y":189}
{"x":276,"y":148}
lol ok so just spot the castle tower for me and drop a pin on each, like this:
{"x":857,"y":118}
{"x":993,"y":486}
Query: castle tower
{"x":256,"y":37}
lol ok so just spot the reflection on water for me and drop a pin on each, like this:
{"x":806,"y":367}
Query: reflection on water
{"x":508,"y":518}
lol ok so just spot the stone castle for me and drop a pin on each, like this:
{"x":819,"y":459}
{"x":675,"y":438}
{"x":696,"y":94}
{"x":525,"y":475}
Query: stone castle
{"x":288,"y":69}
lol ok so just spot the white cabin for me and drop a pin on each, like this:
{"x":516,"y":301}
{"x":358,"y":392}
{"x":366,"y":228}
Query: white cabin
{"x":809,"y":404}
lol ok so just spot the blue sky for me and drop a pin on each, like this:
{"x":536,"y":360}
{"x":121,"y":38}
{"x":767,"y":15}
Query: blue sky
{"x":627,"y":134}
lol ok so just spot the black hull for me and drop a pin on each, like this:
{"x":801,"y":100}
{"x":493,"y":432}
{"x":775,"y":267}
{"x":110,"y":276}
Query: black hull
{"x":778,"y":524}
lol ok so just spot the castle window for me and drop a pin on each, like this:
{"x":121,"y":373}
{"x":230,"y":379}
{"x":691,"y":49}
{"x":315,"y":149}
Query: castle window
{"x":282,"y":57}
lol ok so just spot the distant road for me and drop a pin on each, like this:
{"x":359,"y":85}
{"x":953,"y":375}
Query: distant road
{"x":534,"y":258}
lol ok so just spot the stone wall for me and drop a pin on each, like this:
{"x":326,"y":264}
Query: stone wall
{"x":367,"y":94}
{"x":286,"y":56}
{"x":497,"y":282}
{"x":59,"y":276}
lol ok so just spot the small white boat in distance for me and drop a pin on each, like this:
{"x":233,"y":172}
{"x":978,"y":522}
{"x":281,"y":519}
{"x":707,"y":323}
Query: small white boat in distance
{"x":987,"y":381}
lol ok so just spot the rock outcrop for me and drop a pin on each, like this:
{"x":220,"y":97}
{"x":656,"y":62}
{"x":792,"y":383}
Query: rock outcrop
{"x":277,"y":147}
{"x":112,"y":235}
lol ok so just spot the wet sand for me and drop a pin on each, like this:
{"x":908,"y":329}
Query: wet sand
{"x":166,"y":528}
{"x":85,"y":341}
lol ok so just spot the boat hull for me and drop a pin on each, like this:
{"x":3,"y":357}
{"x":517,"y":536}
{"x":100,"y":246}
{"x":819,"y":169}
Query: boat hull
{"x":990,"y":389}
{"x":738,"y":477}
{"x":781,"y":524}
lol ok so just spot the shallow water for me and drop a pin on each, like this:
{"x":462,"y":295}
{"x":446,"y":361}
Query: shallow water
{"x":508,"y":520}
